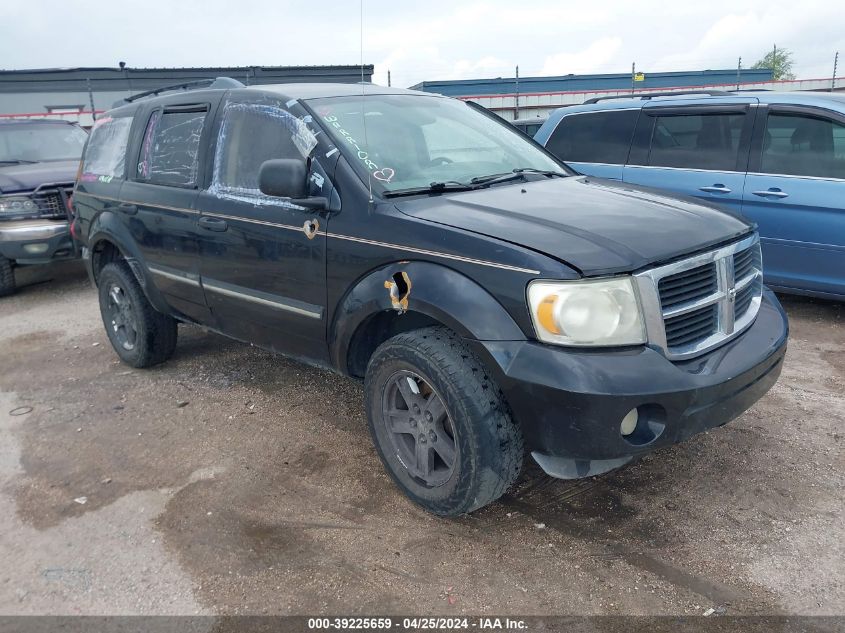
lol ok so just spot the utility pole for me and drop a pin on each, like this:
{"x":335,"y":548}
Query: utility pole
{"x":633,"y":76}
{"x":516,"y":109}
{"x":738,"y":72}
{"x":388,"y":79}
{"x":835,"y":64}
{"x":91,"y":97}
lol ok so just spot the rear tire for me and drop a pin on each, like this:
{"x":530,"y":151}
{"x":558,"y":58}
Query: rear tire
{"x":141,"y":336}
{"x":7,"y":277}
{"x":440,"y":423}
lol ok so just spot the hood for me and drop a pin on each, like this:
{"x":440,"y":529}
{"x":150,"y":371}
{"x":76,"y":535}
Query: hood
{"x":597,"y":226}
{"x":14,"y":178}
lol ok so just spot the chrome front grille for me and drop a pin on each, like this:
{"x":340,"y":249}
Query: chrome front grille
{"x":688,"y":285}
{"x":699,"y":303}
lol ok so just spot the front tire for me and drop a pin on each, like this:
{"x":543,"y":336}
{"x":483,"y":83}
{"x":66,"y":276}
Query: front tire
{"x":141,"y":336}
{"x":440,"y":423}
{"x":7,"y":277}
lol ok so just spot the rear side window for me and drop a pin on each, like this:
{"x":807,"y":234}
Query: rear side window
{"x":696,"y":141}
{"x":597,"y":137}
{"x":105,"y":155}
{"x":170,"y":147}
{"x":800,"y":145}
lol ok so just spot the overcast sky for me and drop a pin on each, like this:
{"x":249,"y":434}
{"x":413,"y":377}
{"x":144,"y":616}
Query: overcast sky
{"x":434,"y":39}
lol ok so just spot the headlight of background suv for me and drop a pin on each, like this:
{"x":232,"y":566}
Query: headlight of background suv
{"x":17,"y":204}
{"x":586,"y":313}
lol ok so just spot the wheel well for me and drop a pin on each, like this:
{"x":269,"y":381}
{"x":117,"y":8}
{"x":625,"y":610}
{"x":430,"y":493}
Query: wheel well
{"x":376,"y":330}
{"x":104,"y":252}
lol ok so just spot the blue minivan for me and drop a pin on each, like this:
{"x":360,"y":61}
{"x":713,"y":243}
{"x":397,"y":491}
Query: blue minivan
{"x":775,"y":158}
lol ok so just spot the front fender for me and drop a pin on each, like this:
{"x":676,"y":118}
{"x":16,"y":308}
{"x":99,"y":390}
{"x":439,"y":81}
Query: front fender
{"x":436,"y":291}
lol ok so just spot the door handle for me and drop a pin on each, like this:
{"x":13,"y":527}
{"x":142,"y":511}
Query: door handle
{"x":213,"y":224}
{"x":127,"y":209}
{"x":717,"y":188}
{"x":771,"y":193}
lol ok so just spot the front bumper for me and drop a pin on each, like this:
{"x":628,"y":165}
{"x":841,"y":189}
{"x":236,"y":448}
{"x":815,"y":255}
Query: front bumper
{"x":36,"y":241}
{"x":570,"y":403}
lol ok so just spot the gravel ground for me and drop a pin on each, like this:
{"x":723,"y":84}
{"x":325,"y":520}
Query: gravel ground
{"x":233,"y":481}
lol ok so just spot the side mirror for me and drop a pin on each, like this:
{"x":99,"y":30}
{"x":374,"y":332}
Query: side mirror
{"x":283,"y":178}
{"x":288,"y":178}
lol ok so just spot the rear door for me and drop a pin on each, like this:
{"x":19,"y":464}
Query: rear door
{"x":159,"y":199}
{"x":594,"y":143}
{"x":699,"y":151}
{"x":795,"y":191}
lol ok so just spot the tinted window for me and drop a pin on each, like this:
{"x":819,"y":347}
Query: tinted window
{"x":106,"y":152}
{"x":800,"y":145}
{"x":170,"y":148}
{"x":251,"y":134}
{"x":696,"y":141}
{"x":598,"y":137}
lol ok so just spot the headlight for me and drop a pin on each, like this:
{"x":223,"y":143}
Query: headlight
{"x":586,"y":313}
{"x":19,"y":204}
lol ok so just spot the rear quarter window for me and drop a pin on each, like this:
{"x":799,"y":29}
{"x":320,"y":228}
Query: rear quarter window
{"x":594,"y":137}
{"x":105,"y":154}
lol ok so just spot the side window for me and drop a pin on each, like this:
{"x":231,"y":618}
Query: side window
{"x":251,"y":133}
{"x":801,"y":145}
{"x":696,"y":141}
{"x":105,"y":155}
{"x":597,"y":137}
{"x":170,"y":148}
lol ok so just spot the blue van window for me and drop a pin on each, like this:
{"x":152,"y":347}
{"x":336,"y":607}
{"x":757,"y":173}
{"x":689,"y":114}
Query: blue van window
{"x":596,"y":137}
{"x":798,"y":145}
{"x":696,"y":141}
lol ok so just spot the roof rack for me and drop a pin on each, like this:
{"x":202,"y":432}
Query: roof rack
{"x":648,"y":95}
{"x":217,"y":82}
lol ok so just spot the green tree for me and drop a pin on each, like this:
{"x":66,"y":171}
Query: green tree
{"x":780,"y":61}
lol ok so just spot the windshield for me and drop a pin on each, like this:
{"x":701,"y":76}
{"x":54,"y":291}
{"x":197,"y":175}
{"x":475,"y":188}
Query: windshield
{"x":412,"y":141}
{"x":32,"y":143}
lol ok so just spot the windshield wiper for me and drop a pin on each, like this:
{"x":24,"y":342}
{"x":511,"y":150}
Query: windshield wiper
{"x":435,"y":187}
{"x":18,"y":161}
{"x":515,"y":174}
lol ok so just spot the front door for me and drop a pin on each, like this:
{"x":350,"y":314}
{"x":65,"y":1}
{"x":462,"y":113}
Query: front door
{"x":699,"y":151}
{"x":795,"y":191}
{"x":263,"y":260}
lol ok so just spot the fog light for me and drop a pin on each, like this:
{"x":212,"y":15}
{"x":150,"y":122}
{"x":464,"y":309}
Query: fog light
{"x":35,"y":249}
{"x":629,"y":422}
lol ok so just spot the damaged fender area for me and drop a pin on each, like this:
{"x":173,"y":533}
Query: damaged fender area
{"x":413,"y":289}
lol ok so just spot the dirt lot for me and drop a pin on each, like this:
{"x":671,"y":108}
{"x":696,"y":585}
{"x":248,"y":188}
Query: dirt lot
{"x":232,"y":481}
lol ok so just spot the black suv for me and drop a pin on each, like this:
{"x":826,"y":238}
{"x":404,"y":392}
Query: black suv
{"x":492,"y":301}
{"x":38,"y":163}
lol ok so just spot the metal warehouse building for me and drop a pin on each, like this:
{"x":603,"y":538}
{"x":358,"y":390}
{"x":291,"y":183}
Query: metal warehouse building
{"x":524,"y":97}
{"x":72,"y":93}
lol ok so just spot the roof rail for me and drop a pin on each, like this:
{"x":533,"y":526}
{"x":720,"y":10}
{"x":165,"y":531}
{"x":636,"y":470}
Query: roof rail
{"x":648,"y":95}
{"x":217,"y":82}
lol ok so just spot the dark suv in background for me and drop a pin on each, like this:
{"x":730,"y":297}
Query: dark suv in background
{"x":492,"y":301}
{"x":38,"y":164}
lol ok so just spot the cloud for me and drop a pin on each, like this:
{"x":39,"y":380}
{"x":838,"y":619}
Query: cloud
{"x":587,"y":60}
{"x":438,"y":39}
